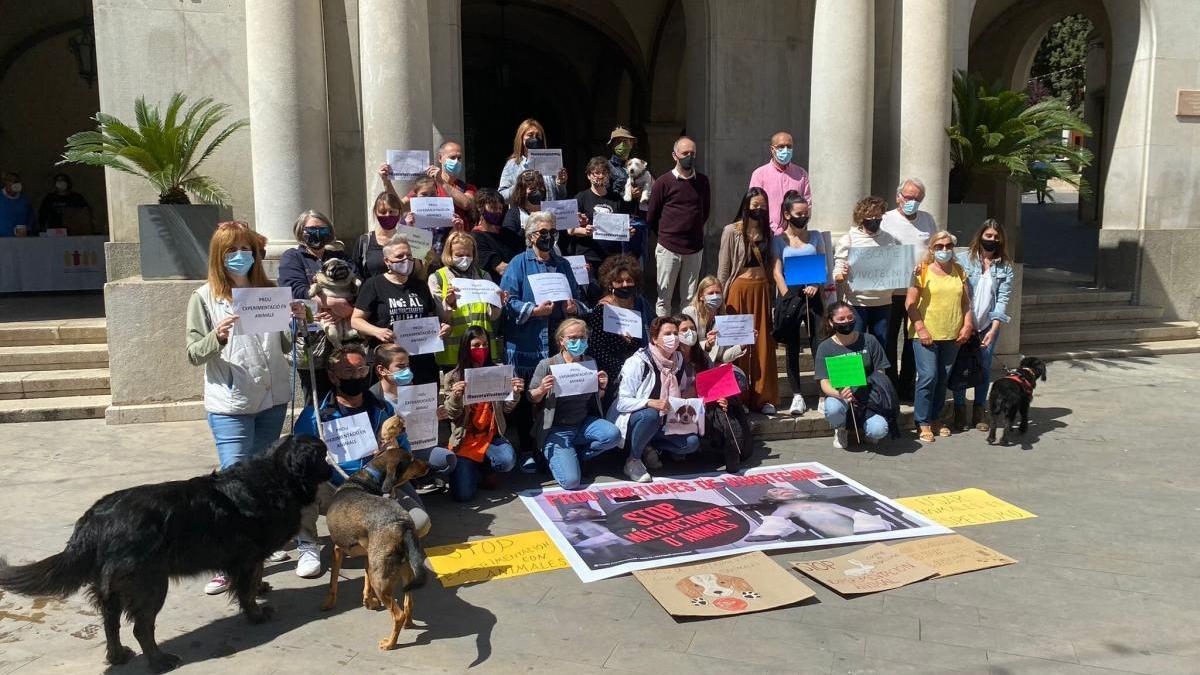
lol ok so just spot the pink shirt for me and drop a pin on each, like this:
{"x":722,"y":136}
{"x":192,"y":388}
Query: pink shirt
{"x":778,"y":182}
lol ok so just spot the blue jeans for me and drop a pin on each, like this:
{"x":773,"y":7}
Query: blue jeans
{"x":933,"y":372}
{"x":440,"y":460}
{"x":646,"y":429}
{"x":240,"y":437}
{"x":874,"y":320}
{"x":838,"y":416}
{"x":985,"y":363}
{"x":636,"y":246}
{"x":567,"y":447}
{"x":464,"y":479}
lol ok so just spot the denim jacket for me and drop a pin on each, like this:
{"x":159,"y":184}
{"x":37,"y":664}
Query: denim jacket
{"x":378,"y":411}
{"x":527,"y":337}
{"x":1002,"y":280}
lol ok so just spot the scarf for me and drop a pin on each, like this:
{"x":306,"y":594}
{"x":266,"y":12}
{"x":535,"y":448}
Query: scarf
{"x":666,"y":367}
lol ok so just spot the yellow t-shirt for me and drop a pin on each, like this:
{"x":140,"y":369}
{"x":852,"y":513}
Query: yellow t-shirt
{"x":940,"y":301}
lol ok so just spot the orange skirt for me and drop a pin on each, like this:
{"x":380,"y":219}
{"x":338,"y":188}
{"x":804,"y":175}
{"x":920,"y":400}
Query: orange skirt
{"x":753,"y":296}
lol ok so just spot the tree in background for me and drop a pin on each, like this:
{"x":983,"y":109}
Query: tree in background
{"x":1058,"y":67}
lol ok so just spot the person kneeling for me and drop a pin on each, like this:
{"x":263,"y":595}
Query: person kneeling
{"x":842,"y":340}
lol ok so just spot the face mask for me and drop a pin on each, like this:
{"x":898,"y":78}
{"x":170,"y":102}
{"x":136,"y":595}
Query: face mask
{"x":402,"y":377}
{"x":713,"y":300}
{"x":544,"y":242}
{"x":622,"y":149}
{"x":402,"y":268}
{"x":316,"y":238}
{"x":478,"y":356}
{"x":462,"y":262}
{"x":989,"y":245}
{"x":451,"y":166}
{"x":759,"y":214}
{"x":783,"y":155}
{"x":799,"y":223}
{"x":493,"y":218}
{"x":943,"y":256}
{"x":534,"y":143}
{"x":239,"y":262}
{"x":670,"y":342}
{"x":577,"y":346}
{"x":388,"y":222}
{"x":688,"y":337}
{"x":61,"y":185}
{"x":534,"y":197}
{"x":15,"y":188}
{"x":911,"y":206}
{"x":686,"y":163}
{"x":843,"y":328}
{"x":624,"y":293}
{"x":600,"y":183}
{"x":871,"y":225}
{"x":353,"y":386}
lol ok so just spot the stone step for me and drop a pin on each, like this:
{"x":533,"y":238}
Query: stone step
{"x":53,"y":357}
{"x":1040,"y":314}
{"x":1115,"y":331}
{"x":54,"y":409}
{"x":812,"y":424}
{"x":58,"y":332}
{"x":1075,"y":297}
{"x":1112,"y":350}
{"x":50,"y":383}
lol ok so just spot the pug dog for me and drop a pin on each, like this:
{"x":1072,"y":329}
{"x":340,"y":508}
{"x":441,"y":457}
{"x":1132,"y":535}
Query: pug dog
{"x":640,"y":177}
{"x":336,"y":280}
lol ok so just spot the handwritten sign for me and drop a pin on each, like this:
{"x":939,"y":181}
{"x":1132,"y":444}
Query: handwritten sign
{"x":349,"y":438}
{"x":717,"y":383}
{"x":734,"y":329}
{"x":493,"y":383}
{"x":952,"y":554}
{"x":579,"y":269}
{"x":738,"y":585}
{"x":572,"y":379}
{"x":881,"y":268}
{"x":417,"y":405}
{"x":870,"y":570}
{"x":262,"y":310}
{"x":476,"y":290}
{"x":610,"y":226}
{"x":804,"y":270}
{"x":418,"y":336}
{"x":971,"y":506}
{"x":495,"y":558}
{"x":431,"y":213}
{"x":566,"y":212}
{"x":408,"y":164}
{"x":845,"y":370}
{"x":622,"y":321}
{"x":549,"y":287}
{"x":546,"y":161}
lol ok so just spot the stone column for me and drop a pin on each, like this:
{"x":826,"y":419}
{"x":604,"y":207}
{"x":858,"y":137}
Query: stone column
{"x":289,"y":117}
{"x":925,"y":96}
{"x":445,"y":57}
{"x":843,"y":65}
{"x":394,"y":67}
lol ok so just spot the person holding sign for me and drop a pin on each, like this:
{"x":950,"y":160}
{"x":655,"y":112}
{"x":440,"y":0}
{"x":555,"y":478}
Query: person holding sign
{"x":368,"y":250}
{"x":737,"y":447}
{"x":744,"y":265}
{"x":527,"y":197}
{"x":620,"y":277}
{"x":598,"y":198}
{"x":427,"y":186}
{"x":940,"y":319}
{"x":872,"y":308}
{"x":704,"y":309}
{"x":799,"y":302}
{"x":392,"y":372}
{"x":460,"y":261}
{"x":530,"y":136}
{"x":571,"y":429}
{"x":477,"y":430}
{"x":497,"y":245}
{"x":845,"y":342}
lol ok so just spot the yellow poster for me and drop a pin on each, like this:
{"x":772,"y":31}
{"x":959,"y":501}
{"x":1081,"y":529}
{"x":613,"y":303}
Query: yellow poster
{"x":496,"y":558}
{"x":971,"y":506}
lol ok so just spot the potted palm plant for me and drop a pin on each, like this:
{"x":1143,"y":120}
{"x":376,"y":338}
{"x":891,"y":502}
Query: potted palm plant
{"x":167,"y":150}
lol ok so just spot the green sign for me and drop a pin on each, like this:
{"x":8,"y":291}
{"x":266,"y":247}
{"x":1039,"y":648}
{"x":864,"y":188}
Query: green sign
{"x":845,"y":370}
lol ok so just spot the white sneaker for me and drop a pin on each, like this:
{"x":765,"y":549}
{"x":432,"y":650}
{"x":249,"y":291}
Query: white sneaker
{"x":277,"y":557}
{"x":637,"y":471}
{"x":651,"y":459}
{"x":308,"y":565}
{"x":768,"y":409}
{"x":840,"y":439}
{"x":798,"y":407}
{"x":218,"y":585}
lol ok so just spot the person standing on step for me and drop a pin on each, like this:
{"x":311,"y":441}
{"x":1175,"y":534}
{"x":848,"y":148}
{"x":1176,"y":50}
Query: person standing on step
{"x":907,"y":224}
{"x":796,"y":240}
{"x":872,"y":308}
{"x":779,"y":176}
{"x":990,"y":278}
{"x":679,"y":207}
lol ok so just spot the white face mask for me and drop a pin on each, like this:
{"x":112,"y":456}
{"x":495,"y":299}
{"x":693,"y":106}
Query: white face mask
{"x":688,"y":337}
{"x":402,"y":268}
{"x":670,"y":342}
{"x":462,"y":262}
{"x":15,"y":188}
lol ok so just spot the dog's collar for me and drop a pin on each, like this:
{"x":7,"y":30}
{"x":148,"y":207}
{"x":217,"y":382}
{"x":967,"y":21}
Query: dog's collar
{"x":373,"y":473}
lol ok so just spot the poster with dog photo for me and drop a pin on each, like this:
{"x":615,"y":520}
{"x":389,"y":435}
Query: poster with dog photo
{"x":686,"y":417}
{"x":610,"y":529}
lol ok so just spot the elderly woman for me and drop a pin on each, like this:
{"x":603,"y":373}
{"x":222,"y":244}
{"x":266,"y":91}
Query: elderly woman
{"x":530,"y":136}
{"x":989,"y":275}
{"x":940,"y":316}
{"x":460,"y":260}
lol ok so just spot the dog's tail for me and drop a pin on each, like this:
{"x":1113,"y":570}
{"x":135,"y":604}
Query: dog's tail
{"x":416,"y":559}
{"x":59,"y":575}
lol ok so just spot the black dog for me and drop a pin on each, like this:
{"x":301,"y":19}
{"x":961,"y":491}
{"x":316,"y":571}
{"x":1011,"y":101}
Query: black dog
{"x":1012,"y":394}
{"x":131,"y":543}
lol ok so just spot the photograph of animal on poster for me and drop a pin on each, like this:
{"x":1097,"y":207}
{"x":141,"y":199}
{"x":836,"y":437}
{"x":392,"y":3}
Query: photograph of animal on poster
{"x":613,"y":528}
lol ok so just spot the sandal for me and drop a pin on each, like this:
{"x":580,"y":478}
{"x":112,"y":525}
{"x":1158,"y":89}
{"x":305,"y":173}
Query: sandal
{"x":943,"y":431}
{"x":925,"y":433}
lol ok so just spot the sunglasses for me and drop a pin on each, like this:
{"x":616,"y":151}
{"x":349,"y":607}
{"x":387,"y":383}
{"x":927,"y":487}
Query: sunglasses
{"x":943,"y":247}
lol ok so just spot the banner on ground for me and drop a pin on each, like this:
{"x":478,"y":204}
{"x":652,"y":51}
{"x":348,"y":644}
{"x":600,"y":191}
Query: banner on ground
{"x":613,"y":528}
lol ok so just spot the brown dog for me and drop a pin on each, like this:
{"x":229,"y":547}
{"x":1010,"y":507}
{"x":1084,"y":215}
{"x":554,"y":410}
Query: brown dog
{"x":364,"y":519}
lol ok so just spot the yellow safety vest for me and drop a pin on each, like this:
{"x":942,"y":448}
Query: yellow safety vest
{"x":465,"y":315}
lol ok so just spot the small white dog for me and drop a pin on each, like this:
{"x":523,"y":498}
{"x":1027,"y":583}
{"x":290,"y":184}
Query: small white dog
{"x":639,"y":177}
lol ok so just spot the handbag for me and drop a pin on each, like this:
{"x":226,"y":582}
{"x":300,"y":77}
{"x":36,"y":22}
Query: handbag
{"x":967,"y":371}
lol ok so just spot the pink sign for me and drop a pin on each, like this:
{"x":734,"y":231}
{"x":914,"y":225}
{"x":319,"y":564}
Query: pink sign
{"x":717,"y":383}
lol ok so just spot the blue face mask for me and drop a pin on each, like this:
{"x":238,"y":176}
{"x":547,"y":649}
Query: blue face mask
{"x":783,"y":155}
{"x":943,"y":256}
{"x":451,"y":166}
{"x":577,"y":346}
{"x":239,"y":262}
{"x":402,"y":377}
{"x":911,"y":206}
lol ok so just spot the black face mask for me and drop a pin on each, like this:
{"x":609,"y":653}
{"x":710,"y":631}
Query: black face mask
{"x":493,"y":217}
{"x":316,"y":238}
{"x":624,"y":293}
{"x":759,"y":214}
{"x":799,"y":223}
{"x":353,"y":386}
{"x":534,"y":143}
{"x":872,"y":225}
{"x":989,"y":245}
{"x":686,"y":162}
{"x":544,"y":242}
{"x":534,"y":197}
{"x":843,"y":328}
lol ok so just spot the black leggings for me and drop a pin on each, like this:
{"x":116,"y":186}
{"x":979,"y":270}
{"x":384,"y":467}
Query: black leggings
{"x":794,"y":346}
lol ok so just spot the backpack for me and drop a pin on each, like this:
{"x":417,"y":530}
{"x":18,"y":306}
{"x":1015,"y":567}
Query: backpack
{"x":879,"y":399}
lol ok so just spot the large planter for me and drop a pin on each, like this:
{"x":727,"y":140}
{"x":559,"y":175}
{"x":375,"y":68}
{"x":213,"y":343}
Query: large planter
{"x":174,"y":239}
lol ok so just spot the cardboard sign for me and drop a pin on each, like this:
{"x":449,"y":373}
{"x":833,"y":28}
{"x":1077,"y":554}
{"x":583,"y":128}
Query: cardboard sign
{"x":432,"y":213}
{"x":738,"y":585}
{"x":870,"y":570}
{"x":546,"y":161}
{"x":971,"y":506}
{"x":952,"y":554}
{"x":419,"y":336}
{"x":881,"y":268}
{"x":579,"y":269}
{"x":622,"y":321}
{"x":717,"y":383}
{"x":549,"y":287}
{"x":492,"y":383}
{"x":566,"y":212}
{"x":805,"y":270}
{"x":417,"y":405}
{"x":349,"y":438}
{"x":476,"y":290}
{"x":845,"y":370}
{"x":610,"y":226}
{"x":686,"y":417}
{"x":734,"y":329}
{"x":495,"y":558}
{"x":262,"y":310}
{"x":408,"y":164}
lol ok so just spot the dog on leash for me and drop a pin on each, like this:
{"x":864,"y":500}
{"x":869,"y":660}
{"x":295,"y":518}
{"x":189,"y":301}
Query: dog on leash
{"x":129,"y":545}
{"x":638,"y":177}
{"x":364,"y":519}
{"x":1011,"y":395}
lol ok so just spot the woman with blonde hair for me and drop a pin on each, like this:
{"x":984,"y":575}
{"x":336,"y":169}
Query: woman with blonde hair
{"x":530,"y":136}
{"x":460,"y":260}
{"x":940,"y":318}
{"x":706,"y":306}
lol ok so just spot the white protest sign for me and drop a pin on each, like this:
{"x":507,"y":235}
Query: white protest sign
{"x":476,"y":290}
{"x":431,"y":213}
{"x":622,"y":321}
{"x":420,"y":242}
{"x":566,"y":212}
{"x":408,"y":164}
{"x":579,"y":268}
{"x":572,"y":379}
{"x":549,"y":287}
{"x":418,"y":336}
{"x":610,"y":226}
{"x":734,"y":329}
{"x":881,"y":268}
{"x":349,"y":438}
{"x":262,"y":310}
{"x":546,"y":161}
{"x":493,"y":383}
{"x":417,"y":404}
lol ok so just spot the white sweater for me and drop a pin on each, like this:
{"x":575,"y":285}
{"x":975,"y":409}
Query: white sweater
{"x":857,"y":238}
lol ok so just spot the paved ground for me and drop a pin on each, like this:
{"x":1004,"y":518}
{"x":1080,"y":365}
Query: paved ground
{"x":1107,"y":579}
